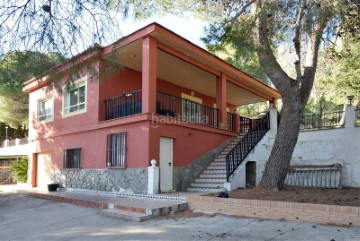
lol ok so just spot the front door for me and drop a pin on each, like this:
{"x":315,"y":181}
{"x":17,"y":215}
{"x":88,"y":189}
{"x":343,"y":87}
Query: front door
{"x":166,"y":164}
{"x":44,"y":170}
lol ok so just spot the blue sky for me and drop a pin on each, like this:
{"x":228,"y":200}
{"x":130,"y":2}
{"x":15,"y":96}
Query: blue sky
{"x":190,"y":28}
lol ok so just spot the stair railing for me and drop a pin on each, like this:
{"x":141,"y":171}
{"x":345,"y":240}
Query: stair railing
{"x":238,"y":154}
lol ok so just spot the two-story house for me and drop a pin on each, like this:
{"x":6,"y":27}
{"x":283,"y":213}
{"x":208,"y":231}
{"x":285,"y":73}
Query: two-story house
{"x":150,"y":95}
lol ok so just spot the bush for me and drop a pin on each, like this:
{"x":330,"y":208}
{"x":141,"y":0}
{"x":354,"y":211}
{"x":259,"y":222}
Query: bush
{"x":19,"y":170}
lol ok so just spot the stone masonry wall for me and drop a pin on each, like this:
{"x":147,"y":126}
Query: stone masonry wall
{"x":131,"y":180}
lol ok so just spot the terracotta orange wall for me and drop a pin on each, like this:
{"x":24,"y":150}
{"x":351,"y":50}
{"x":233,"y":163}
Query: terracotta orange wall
{"x":93,"y":146}
{"x":60,"y":123}
{"x":115,"y":83}
{"x":187,"y":148}
{"x":129,"y":80}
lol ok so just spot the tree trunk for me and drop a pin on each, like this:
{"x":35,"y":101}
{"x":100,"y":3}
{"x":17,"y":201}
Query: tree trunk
{"x":277,"y":166}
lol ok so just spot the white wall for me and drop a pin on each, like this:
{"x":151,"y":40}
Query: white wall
{"x":318,"y":147}
{"x":341,"y":145}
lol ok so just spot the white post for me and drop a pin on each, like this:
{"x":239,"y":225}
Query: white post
{"x":350,"y":117}
{"x":153,"y":178}
{"x":273,"y":122}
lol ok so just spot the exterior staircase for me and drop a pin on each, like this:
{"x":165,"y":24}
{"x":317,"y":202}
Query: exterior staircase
{"x":212,"y":179}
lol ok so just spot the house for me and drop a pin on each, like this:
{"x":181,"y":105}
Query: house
{"x":150,"y":95}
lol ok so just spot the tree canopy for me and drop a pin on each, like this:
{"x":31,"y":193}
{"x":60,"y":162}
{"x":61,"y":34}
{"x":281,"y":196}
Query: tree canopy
{"x":15,"y":69}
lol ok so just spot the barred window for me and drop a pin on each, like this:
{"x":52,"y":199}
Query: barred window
{"x":72,"y":158}
{"x":116,"y":150}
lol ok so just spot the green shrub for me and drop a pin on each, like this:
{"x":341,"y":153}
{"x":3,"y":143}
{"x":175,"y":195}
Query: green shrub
{"x":19,"y":170}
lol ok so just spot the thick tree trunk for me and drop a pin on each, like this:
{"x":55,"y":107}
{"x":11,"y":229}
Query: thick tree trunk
{"x":277,"y":166}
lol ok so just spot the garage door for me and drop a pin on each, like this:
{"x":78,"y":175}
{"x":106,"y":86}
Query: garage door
{"x":44,"y":170}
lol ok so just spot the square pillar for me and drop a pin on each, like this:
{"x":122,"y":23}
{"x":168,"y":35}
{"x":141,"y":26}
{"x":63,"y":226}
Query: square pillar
{"x":149,"y":72}
{"x":221,"y":99}
{"x":153,"y":178}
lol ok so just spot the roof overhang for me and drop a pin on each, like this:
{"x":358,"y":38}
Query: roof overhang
{"x":182,"y":63}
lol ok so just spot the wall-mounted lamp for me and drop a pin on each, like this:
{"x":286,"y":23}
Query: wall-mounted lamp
{"x":350,"y":98}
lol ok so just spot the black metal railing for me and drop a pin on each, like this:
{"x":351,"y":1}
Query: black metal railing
{"x":231,"y":121}
{"x":186,"y":110}
{"x":357,"y":117}
{"x":246,"y":124}
{"x":123,"y":105}
{"x":237,"y":155}
{"x":324,"y":121}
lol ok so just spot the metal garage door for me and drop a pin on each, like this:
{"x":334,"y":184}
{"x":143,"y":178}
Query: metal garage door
{"x":44,"y":170}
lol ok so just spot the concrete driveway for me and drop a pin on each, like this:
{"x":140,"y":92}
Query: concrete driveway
{"x":25,"y":218}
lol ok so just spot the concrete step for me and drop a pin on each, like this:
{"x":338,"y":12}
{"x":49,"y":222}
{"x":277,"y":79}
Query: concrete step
{"x":207,"y":185}
{"x":210,"y":180}
{"x":219,"y":159}
{"x":218,"y":163}
{"x":128,"y":215}
{"x":215,"y":167}
{"x":215,"y":171}
{"x":213,"y":175}
{"x":205,"y":190}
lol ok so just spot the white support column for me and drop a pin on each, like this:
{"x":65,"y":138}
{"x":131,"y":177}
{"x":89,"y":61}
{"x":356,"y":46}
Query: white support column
{"x":153,"y":178}
{"x":350,"y":117}
{"x":273,"y":122}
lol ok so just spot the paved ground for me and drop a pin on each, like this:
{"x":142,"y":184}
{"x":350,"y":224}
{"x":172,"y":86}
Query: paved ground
{"x":25,"y":218}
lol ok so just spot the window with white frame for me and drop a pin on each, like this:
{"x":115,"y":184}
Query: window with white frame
{"x":45,"y":109}
{"x":75,"y":97}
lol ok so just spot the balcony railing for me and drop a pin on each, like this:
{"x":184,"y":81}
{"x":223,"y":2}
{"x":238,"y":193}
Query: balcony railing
{"x":324,"y":121}
{"x":14,"y":142}
{"x":123,"y":105}
{"x":186,"y":110}
{"x":245,"y":124}
{"x":357,"y":114}
{"x":230,"y":121}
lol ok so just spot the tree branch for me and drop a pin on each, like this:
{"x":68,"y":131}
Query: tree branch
{"x":268,"y":61}
{"x":312,"y":55}
{"x":297,"y":40}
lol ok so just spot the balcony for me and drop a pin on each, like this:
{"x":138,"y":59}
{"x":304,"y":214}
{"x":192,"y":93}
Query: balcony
{"x":182,"y":109}
{"x":186,"y":110}
{"x":124,"y":105}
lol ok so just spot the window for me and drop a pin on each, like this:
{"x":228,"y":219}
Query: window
{"x":45,"y":109}
{"x":116,"y":150}
{"x":75,"y":97}
{"x":72,"y":158}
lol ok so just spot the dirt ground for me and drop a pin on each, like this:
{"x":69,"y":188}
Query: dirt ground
{"x":343,"y":197}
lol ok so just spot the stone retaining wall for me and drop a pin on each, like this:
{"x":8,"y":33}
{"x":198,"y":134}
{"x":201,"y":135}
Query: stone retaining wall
{"x":131,"y":180}
{"x":292,"y":211}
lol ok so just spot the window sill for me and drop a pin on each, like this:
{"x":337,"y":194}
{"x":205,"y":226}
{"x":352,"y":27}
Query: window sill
{"x":46,"y":120}
{"x":115,"y":167}
{"x":74,"y":113}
